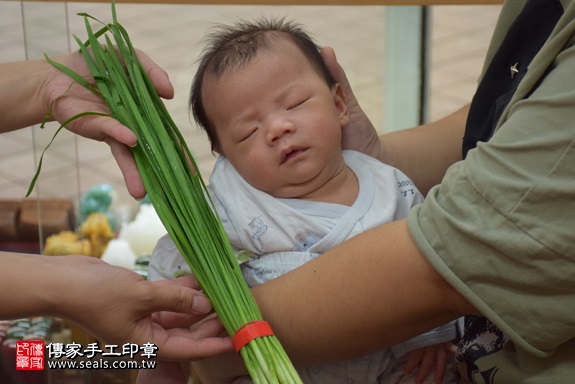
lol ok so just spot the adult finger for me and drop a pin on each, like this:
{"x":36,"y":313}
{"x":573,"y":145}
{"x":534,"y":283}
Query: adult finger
{"x":157,"y":75}
{"x":440,"y":364}
{"x":426,"y":364}
{"x":204,"y":341}
{"x":175,"y":298}
{"x":330,"y":59}
{"x":413,"y":359}
{"x":128,"y":167}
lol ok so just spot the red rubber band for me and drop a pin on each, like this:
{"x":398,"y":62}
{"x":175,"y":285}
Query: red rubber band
{"x":250,"y":331}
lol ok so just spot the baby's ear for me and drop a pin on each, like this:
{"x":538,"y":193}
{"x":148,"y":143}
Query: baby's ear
{"x":341,"y":104}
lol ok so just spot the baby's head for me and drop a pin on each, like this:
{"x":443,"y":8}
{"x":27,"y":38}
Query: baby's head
{"x":230,"y":47}
{"x":269,"y":105}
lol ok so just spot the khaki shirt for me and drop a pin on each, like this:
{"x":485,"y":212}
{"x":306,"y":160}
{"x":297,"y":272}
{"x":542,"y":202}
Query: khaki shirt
{"x":501,"y":226}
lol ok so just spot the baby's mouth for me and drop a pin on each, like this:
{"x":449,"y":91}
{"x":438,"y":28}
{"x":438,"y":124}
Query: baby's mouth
{"x":290,"y":153}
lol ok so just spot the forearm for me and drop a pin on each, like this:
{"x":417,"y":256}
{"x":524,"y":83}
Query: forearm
{"x":62,"y":286}
{"x":424,"y":153}
{"x":370,"y":292}
{"x":30,"y":285}
{"x":20,"y":94}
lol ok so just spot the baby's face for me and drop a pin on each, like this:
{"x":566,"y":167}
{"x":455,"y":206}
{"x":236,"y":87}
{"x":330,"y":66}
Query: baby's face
{"x":278,"y":122}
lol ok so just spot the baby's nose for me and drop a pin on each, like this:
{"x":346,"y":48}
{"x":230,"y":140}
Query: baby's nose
{"x":277,"y":128}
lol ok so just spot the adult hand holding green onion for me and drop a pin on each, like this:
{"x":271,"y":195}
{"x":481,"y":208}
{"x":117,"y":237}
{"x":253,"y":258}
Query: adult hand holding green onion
{"x":179,"y":195}
{"x":74,"y":99}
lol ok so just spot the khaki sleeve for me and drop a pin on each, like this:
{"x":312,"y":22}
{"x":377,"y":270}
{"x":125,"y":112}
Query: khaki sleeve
{"x":501,"y":226}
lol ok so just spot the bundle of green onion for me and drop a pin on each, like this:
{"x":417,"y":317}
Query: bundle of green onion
{"x":177,"y":191}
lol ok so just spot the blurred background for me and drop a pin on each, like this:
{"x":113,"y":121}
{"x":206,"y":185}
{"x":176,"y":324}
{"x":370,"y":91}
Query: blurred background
{"x":171,"y":34}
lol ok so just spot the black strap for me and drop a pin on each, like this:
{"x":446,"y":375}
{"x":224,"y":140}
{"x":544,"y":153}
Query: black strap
{"x":524,"y":39}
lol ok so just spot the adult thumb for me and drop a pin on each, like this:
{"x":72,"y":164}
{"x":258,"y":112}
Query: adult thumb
{"x":170,"y":296}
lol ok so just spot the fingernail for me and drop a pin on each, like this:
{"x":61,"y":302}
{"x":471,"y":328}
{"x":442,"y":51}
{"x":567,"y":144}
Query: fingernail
{"x":201,"y":304}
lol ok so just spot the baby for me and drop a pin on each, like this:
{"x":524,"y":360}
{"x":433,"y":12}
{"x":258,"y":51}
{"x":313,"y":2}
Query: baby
{"x":283,"y":186}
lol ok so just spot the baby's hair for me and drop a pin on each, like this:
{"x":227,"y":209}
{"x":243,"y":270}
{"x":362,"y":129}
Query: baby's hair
{"x":232,"y":46}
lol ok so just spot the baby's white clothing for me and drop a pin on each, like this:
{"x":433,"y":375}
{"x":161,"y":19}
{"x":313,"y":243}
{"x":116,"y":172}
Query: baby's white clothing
{"x":273,"y":236}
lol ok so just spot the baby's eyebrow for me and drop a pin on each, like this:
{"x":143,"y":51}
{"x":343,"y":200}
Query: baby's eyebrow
{"x":282,"y":94}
